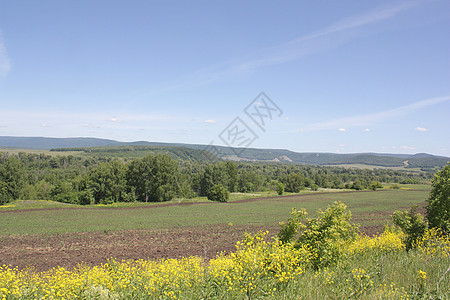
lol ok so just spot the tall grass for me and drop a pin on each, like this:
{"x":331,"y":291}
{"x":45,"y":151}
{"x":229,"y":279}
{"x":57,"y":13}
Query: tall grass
{"x":368,"y":268}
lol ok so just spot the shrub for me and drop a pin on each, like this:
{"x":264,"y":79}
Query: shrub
{"x":325,"y":236}
{"x":280,"y":188}
{"x":412,"y":224}
{"x":290,"y":228}
{"x":218,"y":193}
{"x":376,"y":185}
{"x":357,"y":185}
{"x":395,"y":186}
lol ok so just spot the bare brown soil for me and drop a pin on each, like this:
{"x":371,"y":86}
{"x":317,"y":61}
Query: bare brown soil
{"x":94,"y":248}
{"x":44,"y":252}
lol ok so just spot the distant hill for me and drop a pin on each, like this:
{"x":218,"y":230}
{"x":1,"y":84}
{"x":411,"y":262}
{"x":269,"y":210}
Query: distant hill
{"x":136,"y":151}
{"x":193,"y":151}
{"x":47,"y":143}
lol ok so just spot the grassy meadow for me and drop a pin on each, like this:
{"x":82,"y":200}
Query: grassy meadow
{"x":368,"y":207}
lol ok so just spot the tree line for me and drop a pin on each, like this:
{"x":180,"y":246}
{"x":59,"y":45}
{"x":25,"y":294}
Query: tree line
{"x":159,"y":177}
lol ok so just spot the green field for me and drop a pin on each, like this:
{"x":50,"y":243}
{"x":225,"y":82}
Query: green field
{"x":369,"y":208}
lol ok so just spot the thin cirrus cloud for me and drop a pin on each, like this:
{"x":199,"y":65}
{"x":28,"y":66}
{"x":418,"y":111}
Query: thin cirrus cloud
{"x":114,"y":120}
{"x":405,"y":147}
{"x":5,"y":63}
{"x":319,"y":40}
{"x":421,"y":129}
{"x":325,"y":38}
{"x":371,"y":119}
{"x":210,"y":121}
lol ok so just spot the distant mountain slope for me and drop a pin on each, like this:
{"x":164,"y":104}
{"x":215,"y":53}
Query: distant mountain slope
{"x":47,"y":143}
{"x":136,"y":151}
{"x":184,"y":151}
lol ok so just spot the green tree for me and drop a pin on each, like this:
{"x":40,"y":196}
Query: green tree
{"x":438,"y":204}
{"x":63,"y":191}
{"x":293,"y":182}
{"x":357,"y":185}
{"x":154,"y":178}
{"x":280,"y":188}
{"x":43,"y":189}
{"x":233,"y":179}
{"x":218,"y":193}
{"x":11,"y":178}
{"x":212,"y":175}
{"x":107,"y":182}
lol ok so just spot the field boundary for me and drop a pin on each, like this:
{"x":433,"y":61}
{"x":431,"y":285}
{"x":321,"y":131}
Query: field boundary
{"x":159,"y":205}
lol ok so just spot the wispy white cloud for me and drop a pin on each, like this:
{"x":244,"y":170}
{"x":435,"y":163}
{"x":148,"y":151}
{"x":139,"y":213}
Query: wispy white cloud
{"x":342,"y":129}
{"x":421,"y":129}
{"x":407,"y":147}
{"x":114,"y":119}
{"x":210,"y":121}
{"x":367,"y":130}
{"x":89,"y":126}
{"x":321,"y":39}
{"x":5,"y":63}
{"x":63,"y":123}
{"x":364,"y":19}
{"x":327,"y":37}
{"x":371,"y":119}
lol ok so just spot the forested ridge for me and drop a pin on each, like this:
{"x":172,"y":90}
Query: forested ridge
{"x":158,"y":177}
{"x":108,"y":148}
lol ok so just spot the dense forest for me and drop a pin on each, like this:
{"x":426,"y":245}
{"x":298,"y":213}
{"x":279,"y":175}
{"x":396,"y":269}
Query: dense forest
{"x":157,"y":177}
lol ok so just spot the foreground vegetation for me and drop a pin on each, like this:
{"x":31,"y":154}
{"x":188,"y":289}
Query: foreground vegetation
{"x":376,"y":267}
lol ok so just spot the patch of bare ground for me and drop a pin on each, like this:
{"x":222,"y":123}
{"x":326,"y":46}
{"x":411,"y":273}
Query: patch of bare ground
{"x":44,"y":252}
{"x":381,"y":217}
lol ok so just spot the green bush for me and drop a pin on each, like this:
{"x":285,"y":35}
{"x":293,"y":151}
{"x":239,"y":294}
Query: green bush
{"x":218,"y":193}
{"x":280,"y":188}
{"x":376,"y":185}
{"x":357,"y":185}
{"x":412,"y":224}
{"x":395,"y":186}
{"x":438,"y":204}
{"x":325,"y":236}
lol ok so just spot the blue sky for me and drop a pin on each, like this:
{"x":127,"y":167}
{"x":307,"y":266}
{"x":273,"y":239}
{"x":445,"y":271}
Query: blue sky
{"x":347,"y":76}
